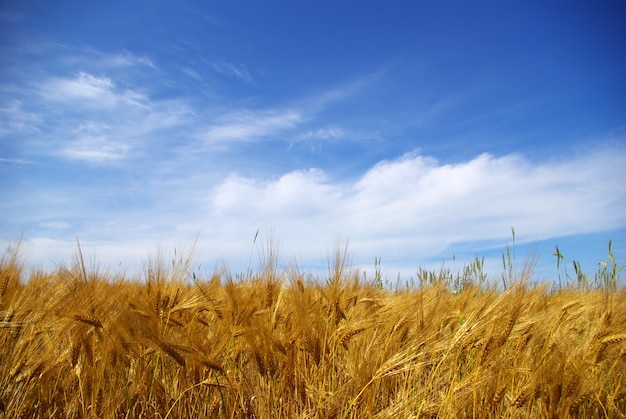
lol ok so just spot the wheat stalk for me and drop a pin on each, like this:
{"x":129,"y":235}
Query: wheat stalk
{"x":92,"y":321}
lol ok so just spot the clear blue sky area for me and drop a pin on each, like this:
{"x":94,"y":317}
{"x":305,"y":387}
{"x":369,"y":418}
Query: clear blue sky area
{"x":417,"y":131}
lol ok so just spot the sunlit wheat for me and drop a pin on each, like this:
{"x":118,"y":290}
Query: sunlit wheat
{"x":78,"y":342}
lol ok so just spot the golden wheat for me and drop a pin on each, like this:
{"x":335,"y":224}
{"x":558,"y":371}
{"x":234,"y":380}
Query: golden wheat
{"x":79,"y":342}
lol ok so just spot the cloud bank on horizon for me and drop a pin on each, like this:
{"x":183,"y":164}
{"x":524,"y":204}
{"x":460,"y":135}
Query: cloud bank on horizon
{"x":416,"y":134}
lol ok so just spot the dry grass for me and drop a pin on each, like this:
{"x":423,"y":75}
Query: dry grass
{"x":79,"y":342}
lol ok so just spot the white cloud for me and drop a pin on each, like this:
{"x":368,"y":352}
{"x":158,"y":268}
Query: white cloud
{"x":230,"y":69}
{"x":414,"y":205}
{"x":92,"y":60}
{"x":248,"y":125}
{"x":294,"y":194}
{"x":330,"y":133}
{"x":410,"y":211}
{"x":91,"y":91}
{"x":95,"y":149}
{"x":99,"y":122}
{"x":55,"y":224}
{"x":82,"y":86}
{"x":127,"y":59}
{"x":49,"y":253}
{"x":191,"y":73}
{"x":14,"y":119}
{"x":252,"y":125}
{"x":14,"y":161}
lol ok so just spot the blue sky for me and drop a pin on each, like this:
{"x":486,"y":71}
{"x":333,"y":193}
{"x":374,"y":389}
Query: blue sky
{"x":420,"y":132}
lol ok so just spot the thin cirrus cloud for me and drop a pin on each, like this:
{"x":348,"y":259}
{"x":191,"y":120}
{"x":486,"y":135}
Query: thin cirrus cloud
{"x":330,"y":133}
{"x":126,"y":59}
{"x":95,"y":149}
{"x":128,"y":116}
{"x":249,"y":125}
{"x":233,"y":70}
{"x":92,"y":91}
{"x":91,"y":118}
{"x":15,"y":119}
{"x":111,"y":95}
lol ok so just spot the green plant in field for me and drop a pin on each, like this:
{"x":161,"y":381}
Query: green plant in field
{"x":607,"y":276}
{"x":471,"y":275}
{"x":559,"y":257}
{"x":608,"y":272}
{"x":509,"y":264}
{"x":377,"y":281}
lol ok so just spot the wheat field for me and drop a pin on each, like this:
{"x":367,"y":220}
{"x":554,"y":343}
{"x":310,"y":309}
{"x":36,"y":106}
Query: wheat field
{"x":82,"y":342}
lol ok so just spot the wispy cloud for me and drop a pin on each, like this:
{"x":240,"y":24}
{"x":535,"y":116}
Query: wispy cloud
{"x":14,"y":161}
{"x":88,"y":117}
{"x":330,"y":133}
{"x":119,"y":103}
{"x":95,"y":149}
{"x":14,"y":119}
{"x":234,"y":70}
{"x":249,"y":126}
{"x":55,"y":224}
{"x":126,"y":59}
{"x":191,"y":73}
{"x":91,"y":91}
{"x":90,"y":87}
{"x":93,"y":60}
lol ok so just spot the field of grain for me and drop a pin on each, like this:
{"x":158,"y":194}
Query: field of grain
{"x":81,"y":342}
